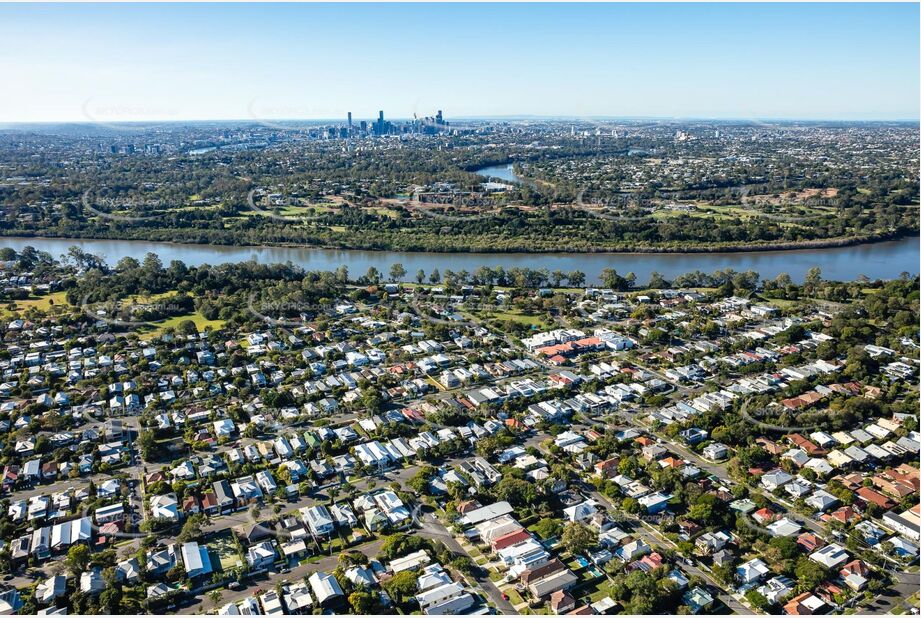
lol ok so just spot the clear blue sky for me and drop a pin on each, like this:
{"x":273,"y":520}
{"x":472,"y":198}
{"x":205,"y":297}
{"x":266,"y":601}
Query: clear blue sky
{"x":213,"y":61}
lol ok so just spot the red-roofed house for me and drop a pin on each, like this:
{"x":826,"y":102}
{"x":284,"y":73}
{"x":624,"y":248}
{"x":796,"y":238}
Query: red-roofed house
{"x":512,"y":538}
{"x":871,"y":496}
{"x":764,"y":516}
{"x":562,"y":602}
{"x":804,"y":604}
{"x":809,"y":542}
{"x":607,"y":468}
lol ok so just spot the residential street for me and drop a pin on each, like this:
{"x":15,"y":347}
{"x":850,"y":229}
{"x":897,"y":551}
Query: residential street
{"x":433,"y":529}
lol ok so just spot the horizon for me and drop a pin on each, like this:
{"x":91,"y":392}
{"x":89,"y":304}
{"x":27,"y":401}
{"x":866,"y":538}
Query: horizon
{"x":449,"y":119}
{"x":110,"y":64}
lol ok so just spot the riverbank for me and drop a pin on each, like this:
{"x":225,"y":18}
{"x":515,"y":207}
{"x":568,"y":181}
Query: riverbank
{"x":720,"y":248}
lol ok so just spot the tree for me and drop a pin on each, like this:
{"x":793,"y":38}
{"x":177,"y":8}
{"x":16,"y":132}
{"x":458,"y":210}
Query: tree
{"x":420,"y":481}
{"x":397,"y":272}
{"x":757,"y":599}
{"x":147,"y":443}
{"x":630,"y":505}
{"x":556,"y":278}
{"x":78,"y":558}
{"x":813,"y":279}
{"x":809,"y":574}
{"x":578,"y":538}
{"x":611,"y":279}
{"x":657,"y":281}
{"x":783,"y":280}
{"x":435,"y":276}
{"x":548,"y":528}
{"x":703,"y":511}
{"x":82,"y":259}
{"x":191,"y":529}
{"x":576,"y":278}
{"x":215,"y":596}
{"x":110,"y":600}
{"x":786,"y":546}
{"x":363,"y":603}
{"x":464,"y":564}
{"x":373,"y":275}
{"x":371,"y":400}
{"x":516,"y":492}
{"x":402,"y":586}
{"x":420,"y":276}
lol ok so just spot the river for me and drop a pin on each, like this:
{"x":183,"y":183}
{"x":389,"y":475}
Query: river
{"x":883,"y":260}
{"x":503,"y":172}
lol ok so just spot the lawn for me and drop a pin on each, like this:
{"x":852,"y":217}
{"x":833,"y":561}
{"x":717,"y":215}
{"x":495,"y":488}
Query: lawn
{"x":517,"y":316}
{"x":224,"y":552}
{"x":513,"y":597}
{"x":200,"y":321}
{"x":384,"y":212}
{"x":40,"y":303}
{"x":511,"y":315}
{"x":287,"y":211}
{"x":602,"y":590}
{"x":574,"y":565}
{"x":146,"y":299}
{"x":496,"y":576}
{"x":436,"y":383}
{"x":784,"y":303}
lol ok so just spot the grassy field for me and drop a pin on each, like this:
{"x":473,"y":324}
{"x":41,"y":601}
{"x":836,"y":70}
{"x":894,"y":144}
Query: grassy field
{"x":201,"y":322}
{"x":292,"y":211}
{"x":512,"y":315}
{"x":384,"y":212}
{"x":195,"y":208}
{"x":783,"y":303}
{"x":146,"y":299}
{"x":40,"y":303}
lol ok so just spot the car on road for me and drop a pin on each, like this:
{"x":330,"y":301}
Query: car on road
{"x":234,"y":586}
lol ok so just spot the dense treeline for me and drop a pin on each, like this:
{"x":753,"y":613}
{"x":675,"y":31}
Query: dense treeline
{"x":511,"y":230}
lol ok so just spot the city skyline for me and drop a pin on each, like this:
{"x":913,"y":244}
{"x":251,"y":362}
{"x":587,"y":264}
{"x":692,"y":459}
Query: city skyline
{"x":318,"y":62}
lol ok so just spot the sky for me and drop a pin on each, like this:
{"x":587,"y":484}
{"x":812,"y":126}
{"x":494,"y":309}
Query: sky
{"x":112,"y":63}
